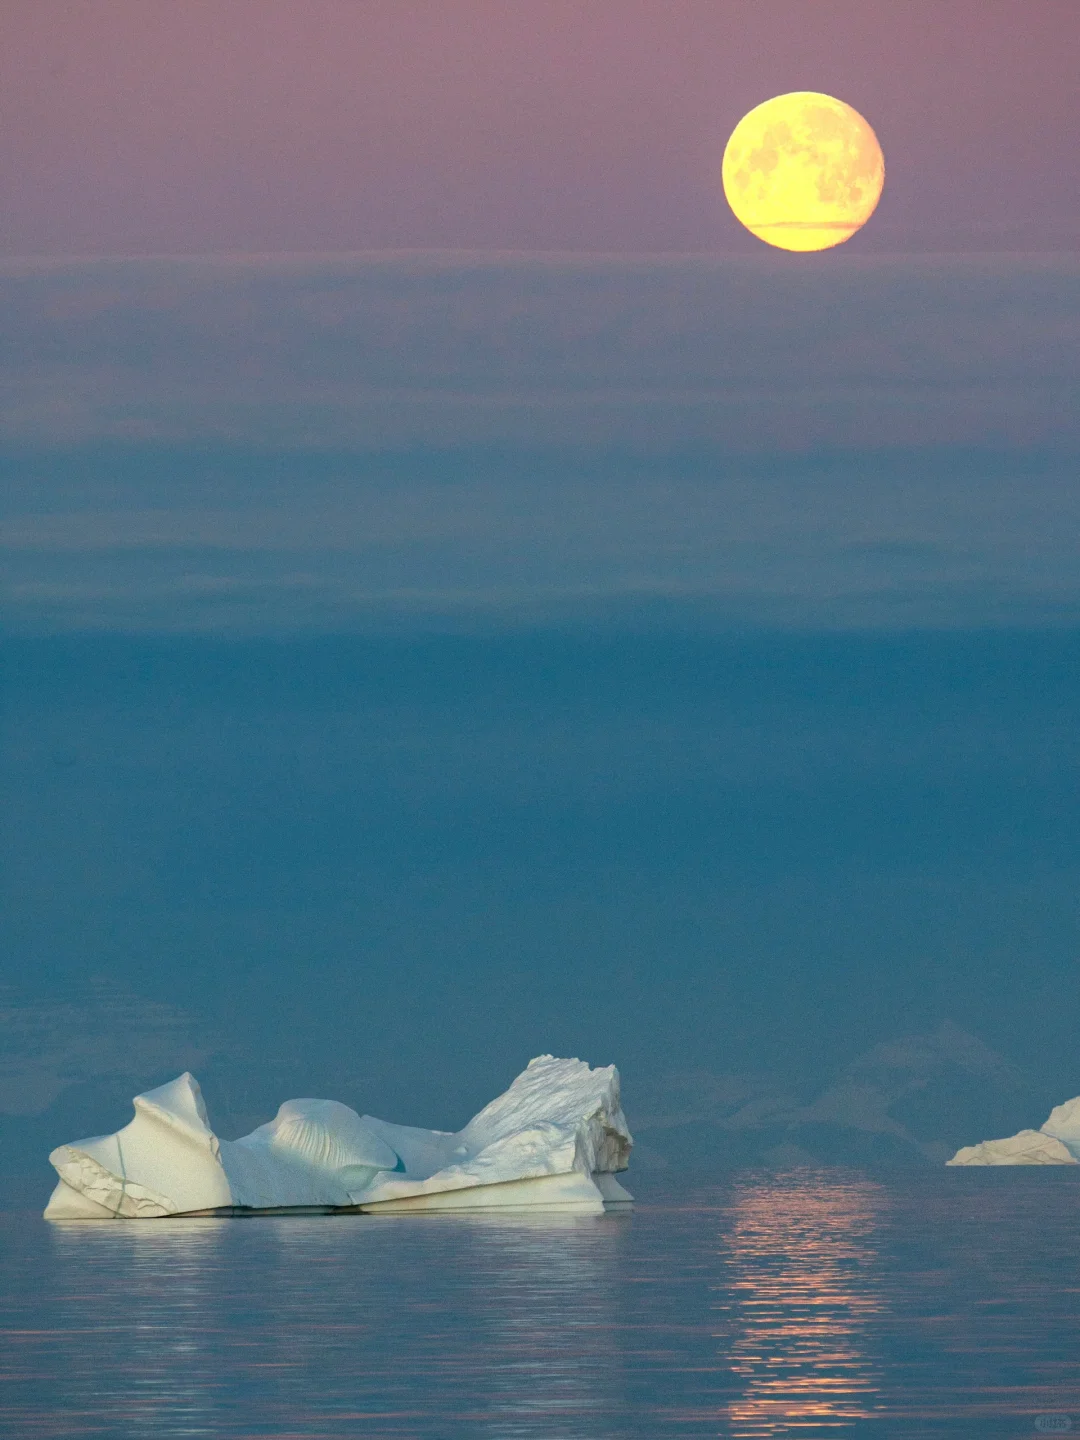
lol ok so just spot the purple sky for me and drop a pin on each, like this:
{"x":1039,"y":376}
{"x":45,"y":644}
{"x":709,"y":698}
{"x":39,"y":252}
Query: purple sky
{"x":142,"y":126}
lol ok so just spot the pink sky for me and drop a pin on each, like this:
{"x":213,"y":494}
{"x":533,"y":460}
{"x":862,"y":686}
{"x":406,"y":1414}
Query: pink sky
{"x":181,"y":126}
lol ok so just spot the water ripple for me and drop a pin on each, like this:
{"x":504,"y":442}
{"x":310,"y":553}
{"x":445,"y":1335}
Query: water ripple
{"x":812,"y":1303}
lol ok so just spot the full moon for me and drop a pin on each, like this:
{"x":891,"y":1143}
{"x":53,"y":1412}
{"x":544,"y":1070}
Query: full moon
{"x":803,"y":171}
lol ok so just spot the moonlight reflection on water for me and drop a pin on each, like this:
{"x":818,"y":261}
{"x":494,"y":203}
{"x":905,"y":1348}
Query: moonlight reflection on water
{"x":802,"y":1301}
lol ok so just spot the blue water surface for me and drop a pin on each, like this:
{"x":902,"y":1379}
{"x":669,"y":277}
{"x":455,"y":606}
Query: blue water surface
{"x":816,"y":1302}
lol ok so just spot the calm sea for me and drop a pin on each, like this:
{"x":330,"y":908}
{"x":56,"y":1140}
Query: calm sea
{"x":811,"y":1303}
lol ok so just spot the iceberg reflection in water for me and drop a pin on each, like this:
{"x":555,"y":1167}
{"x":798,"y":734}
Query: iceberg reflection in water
{"x":481,"y":1324}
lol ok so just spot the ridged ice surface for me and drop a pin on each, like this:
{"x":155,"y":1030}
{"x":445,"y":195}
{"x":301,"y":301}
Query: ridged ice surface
{"x":555,"y":1138}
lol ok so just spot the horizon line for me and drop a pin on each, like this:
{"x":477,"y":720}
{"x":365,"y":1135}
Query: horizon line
{"x":501,"y":254}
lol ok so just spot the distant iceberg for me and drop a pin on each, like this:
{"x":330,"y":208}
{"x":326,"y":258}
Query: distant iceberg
{"x":1055,"y":1143}
{"x":555,"y":1139}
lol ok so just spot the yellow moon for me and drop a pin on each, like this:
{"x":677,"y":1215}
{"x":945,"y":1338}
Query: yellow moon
{"x":803,"y":171}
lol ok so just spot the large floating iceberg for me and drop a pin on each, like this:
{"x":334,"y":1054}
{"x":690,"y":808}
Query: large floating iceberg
{"x":556,"y":1138}
{"x":1055,"y":1143}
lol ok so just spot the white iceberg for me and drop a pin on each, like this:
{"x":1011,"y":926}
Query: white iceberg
{"x":1055,"y":1143}
{"x":555,"y":1139}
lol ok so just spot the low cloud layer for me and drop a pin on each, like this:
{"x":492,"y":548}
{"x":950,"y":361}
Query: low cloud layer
{"x":231,"y":542}
{"x":377,"y":353}
{"x":104,"y":1033}
{"x":301,"y":445}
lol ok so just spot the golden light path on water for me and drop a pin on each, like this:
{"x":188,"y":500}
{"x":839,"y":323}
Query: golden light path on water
{"x":801,"y":1303}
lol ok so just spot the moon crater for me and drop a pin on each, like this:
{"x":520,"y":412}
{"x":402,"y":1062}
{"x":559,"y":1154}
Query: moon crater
{"x":803,"y":171}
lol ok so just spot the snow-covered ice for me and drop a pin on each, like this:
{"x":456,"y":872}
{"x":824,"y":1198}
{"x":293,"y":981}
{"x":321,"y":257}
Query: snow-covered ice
{"x":556,"y":1138}
{"x":1055,"y":1143}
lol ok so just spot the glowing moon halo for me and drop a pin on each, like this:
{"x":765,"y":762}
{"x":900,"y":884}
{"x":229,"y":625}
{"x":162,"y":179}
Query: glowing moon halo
{"x":803,"y":171}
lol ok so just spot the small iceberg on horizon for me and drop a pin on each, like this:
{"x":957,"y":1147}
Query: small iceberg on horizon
{"x":1055,"y":1143}
{"x":555,"y":1140}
